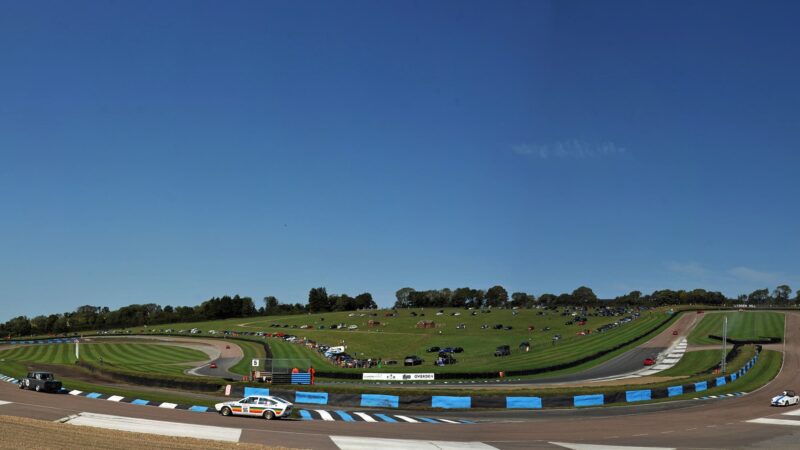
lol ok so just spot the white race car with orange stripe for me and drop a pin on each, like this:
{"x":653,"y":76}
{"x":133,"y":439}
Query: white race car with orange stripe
{"x":265,"y":406}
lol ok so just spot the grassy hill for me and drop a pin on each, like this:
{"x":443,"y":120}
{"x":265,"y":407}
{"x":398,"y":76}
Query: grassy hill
{"x":397,"y":336}
{"x":742,"y":325}
{"x":139,"y":357}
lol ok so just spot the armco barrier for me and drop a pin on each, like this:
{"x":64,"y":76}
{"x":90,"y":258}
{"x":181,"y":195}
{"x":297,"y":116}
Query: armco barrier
{"x":638,"y":396}
{"x":248,"y":391}
{"x":443,"y":401}
{"x":317,"y":398}
{"x":674,"y":391}
{"x":380,"y":401}
{"x":524,"y":402}
{"x":588,"y":400}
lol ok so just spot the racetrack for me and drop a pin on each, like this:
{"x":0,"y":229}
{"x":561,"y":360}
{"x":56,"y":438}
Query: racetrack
{"x":721,"y":424}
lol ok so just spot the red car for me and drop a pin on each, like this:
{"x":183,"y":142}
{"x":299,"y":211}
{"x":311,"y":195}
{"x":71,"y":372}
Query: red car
{"x":674,"y":332}
{"x":649,"y":361}
{"x":213,"y":365}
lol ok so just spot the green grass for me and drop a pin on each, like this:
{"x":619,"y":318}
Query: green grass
{"x":251,"y":350}
{"x":397,"y":337}
{"x":693,"y":363}
{"x":742,"y":325}
{"x":151,"y":358}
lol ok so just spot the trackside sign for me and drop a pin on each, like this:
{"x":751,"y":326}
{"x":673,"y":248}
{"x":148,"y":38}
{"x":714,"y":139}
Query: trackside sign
{"x":398,"y":376}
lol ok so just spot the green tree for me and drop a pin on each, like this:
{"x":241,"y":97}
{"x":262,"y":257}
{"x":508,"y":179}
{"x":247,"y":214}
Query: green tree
{"x":584,"y":296}
{"x":782,"y":293}
{"x":759,"y":296}
{"x":403,"y":297}
{"x":496,"y":296}
{"x":365,"y":301}
{"x":318,"y":300}
{"x":19,"y":326}
{"x":271,"y":305}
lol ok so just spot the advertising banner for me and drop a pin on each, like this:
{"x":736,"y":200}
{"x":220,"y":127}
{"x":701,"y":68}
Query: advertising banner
{"x":398,"y":376}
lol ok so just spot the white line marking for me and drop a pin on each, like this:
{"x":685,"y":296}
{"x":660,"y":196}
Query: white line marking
{"x":157,"y":427}
{"x":407,"y":419}
{"x":366,"y":417}
{"x":606,"y":447}
{"x":367,"y":443}
{"x":168,"y":405}
{"x":325,"y":415}
{"x":115,"y":398}
{"x":75,"y":392}
{"x":447,"y":420}
{"x":795,"y":423}
{"x":2,"y":402}
{"x":796,"y":412}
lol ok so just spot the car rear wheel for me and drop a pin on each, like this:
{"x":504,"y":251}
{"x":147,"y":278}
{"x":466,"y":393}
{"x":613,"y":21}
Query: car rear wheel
{"x":225,"y":411}
{"x":22,"y":385}
{"x":269,"y":415}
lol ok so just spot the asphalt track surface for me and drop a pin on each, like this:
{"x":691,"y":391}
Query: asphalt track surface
{"x":717,"y":424}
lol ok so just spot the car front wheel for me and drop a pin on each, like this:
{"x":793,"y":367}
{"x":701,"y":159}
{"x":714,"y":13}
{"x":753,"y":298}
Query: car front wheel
{"x":225,"y":411}
{"x":38,"y":388}
{"x":269,"y":415}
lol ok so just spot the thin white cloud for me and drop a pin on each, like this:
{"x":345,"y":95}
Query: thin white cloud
{"x":748,"y":274}
{"x":690,"y":268}
{"x":571,"y":148}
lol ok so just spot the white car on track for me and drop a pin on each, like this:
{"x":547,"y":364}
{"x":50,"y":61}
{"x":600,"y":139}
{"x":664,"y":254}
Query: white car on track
{"x":266,"y":406}
{"x":785,"y":399}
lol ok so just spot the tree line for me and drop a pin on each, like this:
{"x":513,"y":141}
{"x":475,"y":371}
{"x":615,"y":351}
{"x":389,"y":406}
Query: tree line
{"x":497,"y":296}
{"x":89,"y":317}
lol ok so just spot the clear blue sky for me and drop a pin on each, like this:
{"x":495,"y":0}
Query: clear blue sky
{"x":173,"y":151}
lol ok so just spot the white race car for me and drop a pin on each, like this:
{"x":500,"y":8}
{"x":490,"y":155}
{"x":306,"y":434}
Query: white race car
{"x":265,"y":406}
{"x":785,"y":399}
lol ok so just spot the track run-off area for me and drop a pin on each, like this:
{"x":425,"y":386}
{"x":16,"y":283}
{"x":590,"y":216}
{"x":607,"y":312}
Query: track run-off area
{"x":730,"y":422}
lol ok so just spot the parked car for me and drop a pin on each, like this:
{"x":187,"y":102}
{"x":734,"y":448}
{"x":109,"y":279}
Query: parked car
{"x":412,"y":360}
{"x":785,"y":399}
{"x":266,"y":406}
{"x":432,"y":349}
{"x":457,"y":350}
{"x":503,"y":350}
{"x":40,"y":382}
{"x":444,"y":359}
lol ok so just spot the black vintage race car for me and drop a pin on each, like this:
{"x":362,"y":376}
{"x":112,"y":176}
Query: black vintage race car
{"x":40,"y":382}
